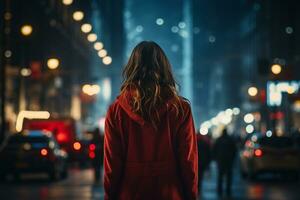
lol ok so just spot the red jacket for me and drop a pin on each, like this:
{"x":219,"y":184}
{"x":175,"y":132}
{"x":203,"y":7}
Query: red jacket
{"x":141,"y":163}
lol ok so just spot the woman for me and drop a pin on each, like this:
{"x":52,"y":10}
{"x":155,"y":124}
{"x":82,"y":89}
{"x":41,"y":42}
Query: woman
{"x":150,"y":149}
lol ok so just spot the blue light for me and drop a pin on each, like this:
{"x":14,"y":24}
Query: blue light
{"x":183,"y":33}
{"x":39,"y":145}
{"x":196,"y":30}
{"x":174,"y":29}
{"x":269,"y":133}
{"x":159,"y":21}
{"x":35,"y":133}
{"x":181,"y":25}
{"x":139,"y":28}
{"x":212,"y":39}
{"x":289,"y":30}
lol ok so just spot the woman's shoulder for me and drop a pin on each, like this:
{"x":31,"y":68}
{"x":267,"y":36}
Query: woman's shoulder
{"x":181,"y":101}
{"x":185,"y":102}
{"x":113,"y":109}
{"x":180,"y":107}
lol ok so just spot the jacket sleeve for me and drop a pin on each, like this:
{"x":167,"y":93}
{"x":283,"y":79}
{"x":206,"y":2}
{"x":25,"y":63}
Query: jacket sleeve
{"x":113,"y":161}
{"x":188,"y":156}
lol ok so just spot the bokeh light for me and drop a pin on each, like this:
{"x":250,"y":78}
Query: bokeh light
{"x":26,"y":30}
{"x":78,"y":15}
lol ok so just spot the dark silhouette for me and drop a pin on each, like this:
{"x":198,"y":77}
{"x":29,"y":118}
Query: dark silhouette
{"x":97,"y":162}
{"x":224,"y":153}
{"x":150,"y":147}
{"x":204,"y":157}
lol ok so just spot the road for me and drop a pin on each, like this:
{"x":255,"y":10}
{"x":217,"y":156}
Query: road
{"x":80,"y":186}
{"x":268,"y":187}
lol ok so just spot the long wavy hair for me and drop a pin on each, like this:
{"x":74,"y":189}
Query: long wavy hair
{"x":149,"y":77}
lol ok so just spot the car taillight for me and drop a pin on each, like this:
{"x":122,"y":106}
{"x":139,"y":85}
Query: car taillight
{"x":92,"y":147}
{"x":258,"y":152}
{"x":61,"y":137}
{"x":92,"y":155}
{"x":77,"y":146}
{"x":44,"y":152}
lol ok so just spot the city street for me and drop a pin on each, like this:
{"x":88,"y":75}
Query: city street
{"x":80,"y":186}
{"x":150,"y":89}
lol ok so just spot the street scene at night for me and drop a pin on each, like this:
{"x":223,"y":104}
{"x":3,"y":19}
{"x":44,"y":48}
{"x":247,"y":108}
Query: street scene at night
{"x":166,"y":100}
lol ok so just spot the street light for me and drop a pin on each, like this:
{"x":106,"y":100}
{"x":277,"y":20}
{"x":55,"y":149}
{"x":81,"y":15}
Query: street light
{"x":102,"y":53}
{"x":86,"y":28}
{"x":53,"y":63}
{"x":98,"y":46}
{"x":67,"y":2}
{"x":91,"y":89}
{"x":92,"y":37}
{"x":236,"y":111}
{"x":203,"y":130}
{"x":159,"y":21}
{"x":249,"y":128}
{"x":291,"y":90}
{"x":252,"y":91}
{"x":107,"y":60}
{"x":276,"y":69}
{"x":25,"y":72}
{"x":249,"y":118}
{"x":78,"y":15}
{"x":26,"y":30}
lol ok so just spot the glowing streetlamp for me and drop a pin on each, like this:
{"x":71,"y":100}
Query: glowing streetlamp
{"x":102,"y":53}
{"x":98,"y":46}
{"x":249,"y":128}
{"x":67,"y":2}
{"x":26,"y":30}
{"x":91,"y":89}
{"x":291,"y":90}
{"x":53,"y":63}
{"x":107,"y":60}
{"x":92,"y":37}
{"x":276,"y":69}
{"x":86,"y":28}
{"x":249,"y":118}
{"x":25,"y":72}
{"x":252,"y":91}
{"x":78,"y":15}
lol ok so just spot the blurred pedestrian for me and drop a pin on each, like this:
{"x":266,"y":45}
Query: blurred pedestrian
{"x":204,"y":157}
{"x":224,"y":153}
{"x":150,"y":147}
{"x":97,"y":161}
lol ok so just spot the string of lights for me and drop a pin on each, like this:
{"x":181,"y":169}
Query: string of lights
{"x":87,"y":28}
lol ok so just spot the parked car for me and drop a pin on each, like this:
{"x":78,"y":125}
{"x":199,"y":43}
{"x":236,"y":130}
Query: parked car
{"x":269,"y":154}
{"x":33,"y":152}
{"x":66,"y":133}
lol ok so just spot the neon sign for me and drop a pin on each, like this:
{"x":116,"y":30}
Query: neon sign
{"x":276,"y":89}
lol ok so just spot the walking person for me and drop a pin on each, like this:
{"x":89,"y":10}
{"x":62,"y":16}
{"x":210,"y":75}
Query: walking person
{"x":150,"y":148}
{"x":204,"y":157}
{"x":224,"y":153}
{"x":97,"y":162}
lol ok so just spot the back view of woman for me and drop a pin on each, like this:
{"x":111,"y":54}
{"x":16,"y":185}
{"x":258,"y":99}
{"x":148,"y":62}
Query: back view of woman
{"x":150,"y":149}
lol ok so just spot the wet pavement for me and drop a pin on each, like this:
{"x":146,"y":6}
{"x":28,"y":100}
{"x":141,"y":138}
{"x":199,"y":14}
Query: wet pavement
{"x":268,"y":187}
{"x":80,"y":186}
